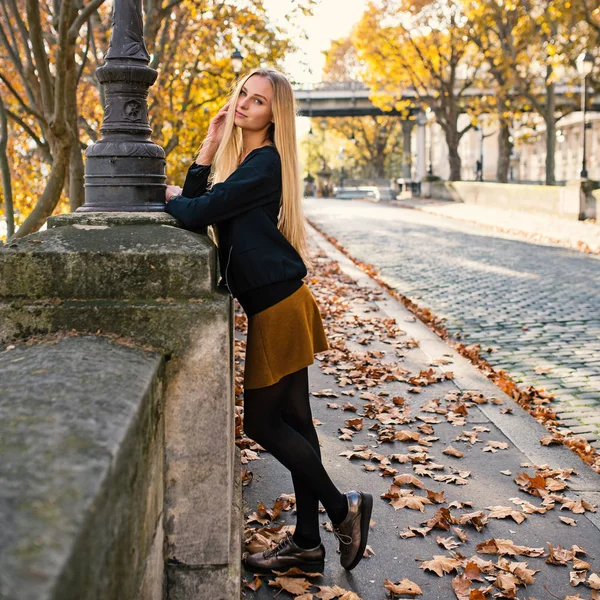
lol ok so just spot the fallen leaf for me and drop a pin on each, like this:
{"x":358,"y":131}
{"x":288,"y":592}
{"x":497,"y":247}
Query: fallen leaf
{"x":449,"y":543}
{"x":501,"y":512}
{"x":440,"y":564}
{"x":450,"y":451}
{"x":405,"y":586}
{"x":568,"y":521}
{"x":500,"y":546}
{"x":292,"y":585}
{"x":577,"y":577}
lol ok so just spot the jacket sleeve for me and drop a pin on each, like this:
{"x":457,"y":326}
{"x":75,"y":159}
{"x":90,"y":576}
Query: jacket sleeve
{"x":252,"y":184}
{"x":196,"y":180}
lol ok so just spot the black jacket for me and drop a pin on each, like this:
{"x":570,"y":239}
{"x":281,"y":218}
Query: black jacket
{"x":258,"y":265}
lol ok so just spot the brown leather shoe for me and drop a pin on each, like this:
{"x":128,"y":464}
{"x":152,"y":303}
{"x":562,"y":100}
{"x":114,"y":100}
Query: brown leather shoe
{"x":353,"y":531}
{"x":286,"y":555}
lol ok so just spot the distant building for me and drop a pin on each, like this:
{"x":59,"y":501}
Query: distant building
{"x":529,"y":153}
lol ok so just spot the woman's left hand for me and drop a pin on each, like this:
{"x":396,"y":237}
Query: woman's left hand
{"x":172,"y":190}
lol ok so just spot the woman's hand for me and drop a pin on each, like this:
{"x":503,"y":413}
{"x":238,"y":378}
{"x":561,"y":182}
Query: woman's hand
{"x":172,"y":190}
{"x":215,"y":129}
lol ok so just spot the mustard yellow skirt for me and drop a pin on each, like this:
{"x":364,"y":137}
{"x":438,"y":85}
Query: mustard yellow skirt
{"x":283,"y":339}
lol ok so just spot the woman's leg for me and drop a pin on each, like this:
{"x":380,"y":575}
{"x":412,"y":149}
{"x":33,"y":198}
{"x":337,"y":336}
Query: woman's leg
{"x":297,"y":414}
{"x":264,"y":422}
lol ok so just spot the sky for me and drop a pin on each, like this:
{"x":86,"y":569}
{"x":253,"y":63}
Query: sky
{"x":332,"y":19}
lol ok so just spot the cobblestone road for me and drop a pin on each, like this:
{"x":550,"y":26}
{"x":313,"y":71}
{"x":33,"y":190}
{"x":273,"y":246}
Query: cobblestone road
{"x":537,"y":306}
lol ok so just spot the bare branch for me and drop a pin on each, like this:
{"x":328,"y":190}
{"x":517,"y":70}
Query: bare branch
{"x":20,"y":100}
{"x":43,"y":146}
{"x":41,"y":58}
{"x":59,"y":119}
{"x":82,"y":17}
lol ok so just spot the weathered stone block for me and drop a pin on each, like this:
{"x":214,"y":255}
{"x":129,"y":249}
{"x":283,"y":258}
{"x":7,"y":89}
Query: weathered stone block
{"x":81,"y":434}
{"x":101,"y":262}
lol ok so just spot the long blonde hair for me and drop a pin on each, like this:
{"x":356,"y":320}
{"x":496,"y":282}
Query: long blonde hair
{"x":283,"y":134}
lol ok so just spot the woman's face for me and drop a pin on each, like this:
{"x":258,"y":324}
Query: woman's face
{"x":253,"y":110}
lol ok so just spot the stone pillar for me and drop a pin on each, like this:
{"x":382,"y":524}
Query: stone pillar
{"x":421,"y":146}
{"x":128,"y":275}
{"x":407,"y":127}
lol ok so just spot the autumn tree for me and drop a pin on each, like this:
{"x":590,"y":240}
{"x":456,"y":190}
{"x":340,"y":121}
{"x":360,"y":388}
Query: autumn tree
{"x":39,"y":76}
{"x":496,"y":28}
{"x":421,"y":46}
{"x":374,"y":142}
{"x":545,"y":58}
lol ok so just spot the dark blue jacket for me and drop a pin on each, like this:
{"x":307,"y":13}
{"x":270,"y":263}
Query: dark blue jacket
{"x":258,"y":264}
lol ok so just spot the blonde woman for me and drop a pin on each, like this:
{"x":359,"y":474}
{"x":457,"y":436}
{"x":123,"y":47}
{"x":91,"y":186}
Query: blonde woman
{"x":254,"y":199}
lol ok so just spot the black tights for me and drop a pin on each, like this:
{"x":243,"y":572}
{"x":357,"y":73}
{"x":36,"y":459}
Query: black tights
{"x":278,"y":417}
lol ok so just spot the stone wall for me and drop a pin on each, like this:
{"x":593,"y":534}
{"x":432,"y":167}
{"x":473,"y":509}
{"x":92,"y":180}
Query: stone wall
{"x":143,"y":278}
{"x":573,"y":200}
{"x":81,"y":476}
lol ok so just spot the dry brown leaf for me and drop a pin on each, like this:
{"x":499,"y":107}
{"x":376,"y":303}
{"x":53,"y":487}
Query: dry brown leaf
{"x":408,"y":479}
{"x":406,"y":435}
{"x":436,"y":497}
{"x":256,"y":583}
{"x":568,"y":521}
{"x":507,"y":584}
{"x":450,"y":451}
{"x":577,"y":577}
{"x":477,"y":519}
{"x":440,"y":564}
{"x":449,"y":543}
{"x":579,"y":564}
{"x":462,"y":535}
{"x":462,"y":587}
{"x":594,"y":581}
{"x":329,"y":592}
{"x":292,"y":585}
{"x":501,"y":512}
{"x":412,"y":502}
{"x":500,"y":546}
{"x":405,"y":586}
{"x":493,"y":446}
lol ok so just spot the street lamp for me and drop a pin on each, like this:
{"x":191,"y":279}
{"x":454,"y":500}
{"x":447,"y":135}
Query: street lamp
{"x":430,"y":126}
{"x":237,"y":61}
{"x":585,"y":63}
{"x":479,"y":166}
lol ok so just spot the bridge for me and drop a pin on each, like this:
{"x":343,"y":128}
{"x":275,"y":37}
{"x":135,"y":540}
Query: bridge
{"x":353,"y":99}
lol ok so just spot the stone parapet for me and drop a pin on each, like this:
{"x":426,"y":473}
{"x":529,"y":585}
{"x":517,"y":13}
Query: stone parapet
{"x":81,"y":475}
{"x":143,"y":278}
{"x":575,"y":200}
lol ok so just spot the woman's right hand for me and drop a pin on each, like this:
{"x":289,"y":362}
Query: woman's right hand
{"x":216,"y":127}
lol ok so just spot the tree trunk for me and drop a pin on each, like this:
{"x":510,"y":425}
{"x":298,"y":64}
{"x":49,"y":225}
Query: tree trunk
{"x":505,"y":147}
{"x":76,"y":168}
{"x":452,"y":140}
{"x":51,"y":194}
{"x":550,"y":120}
{"x":5,"y":171}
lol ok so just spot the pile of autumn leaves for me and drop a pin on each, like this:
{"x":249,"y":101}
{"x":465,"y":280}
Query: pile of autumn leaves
{"x":474,"y":578}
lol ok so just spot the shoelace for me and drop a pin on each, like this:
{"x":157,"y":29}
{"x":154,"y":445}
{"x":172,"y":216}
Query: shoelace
{"x":278,"y":548}
{"x":341,"y":537}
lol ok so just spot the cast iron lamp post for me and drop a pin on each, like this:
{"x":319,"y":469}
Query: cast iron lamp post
{"x":585,"y":63}
{"x":125,"y":170}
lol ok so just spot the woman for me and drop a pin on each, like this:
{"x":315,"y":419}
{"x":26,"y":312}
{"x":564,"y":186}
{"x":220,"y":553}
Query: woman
{"x":255,"y":202}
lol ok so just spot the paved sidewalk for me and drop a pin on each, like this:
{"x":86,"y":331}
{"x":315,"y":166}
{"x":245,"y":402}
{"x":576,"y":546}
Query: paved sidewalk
{"x":536,"y":305}
{"x":581,"y":235}
{"x":415,"y":397}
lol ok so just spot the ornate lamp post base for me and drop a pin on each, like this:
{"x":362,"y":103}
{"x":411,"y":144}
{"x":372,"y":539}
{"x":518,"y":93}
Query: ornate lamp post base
{"x":125,"y":170}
